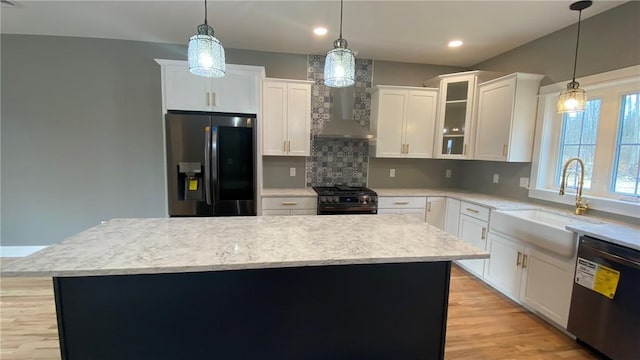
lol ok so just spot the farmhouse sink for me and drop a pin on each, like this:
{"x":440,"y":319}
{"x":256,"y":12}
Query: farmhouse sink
{"x":544,"y":229}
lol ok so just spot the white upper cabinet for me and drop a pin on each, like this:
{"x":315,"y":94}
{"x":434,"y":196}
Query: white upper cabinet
{"x":454,"y":130}
{"x":236,"y":92}
{"x":286,"y":108}
{"x":506,"y":118}
{"x":403,"y":119}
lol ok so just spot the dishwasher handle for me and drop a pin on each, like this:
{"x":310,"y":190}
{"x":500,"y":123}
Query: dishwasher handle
{"x":612,"y":257}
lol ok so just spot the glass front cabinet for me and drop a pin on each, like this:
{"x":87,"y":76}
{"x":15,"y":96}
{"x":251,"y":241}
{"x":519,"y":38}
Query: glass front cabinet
{"x":455,"y":115}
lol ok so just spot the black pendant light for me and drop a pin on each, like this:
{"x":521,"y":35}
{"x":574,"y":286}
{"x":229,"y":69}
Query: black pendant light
{"x":574,"y":99}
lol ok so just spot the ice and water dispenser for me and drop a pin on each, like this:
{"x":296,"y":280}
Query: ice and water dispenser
{"x":190,"y":181}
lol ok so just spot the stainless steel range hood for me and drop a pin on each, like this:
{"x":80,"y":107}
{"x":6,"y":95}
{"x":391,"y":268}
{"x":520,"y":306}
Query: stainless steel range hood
{"x":341,"y":124}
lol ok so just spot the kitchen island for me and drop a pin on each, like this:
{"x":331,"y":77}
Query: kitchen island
{"x":299,"y":287}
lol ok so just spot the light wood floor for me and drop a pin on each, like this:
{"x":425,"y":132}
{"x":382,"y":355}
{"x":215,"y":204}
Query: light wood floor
{"x":482,"y":324}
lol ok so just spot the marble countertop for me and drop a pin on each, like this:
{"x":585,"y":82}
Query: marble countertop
{"x":288,"y":192}
{"x":146,"y":246}
{"x":609,"y":230}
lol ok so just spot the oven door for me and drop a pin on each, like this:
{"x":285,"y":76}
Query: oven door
{"x":347,"y":210}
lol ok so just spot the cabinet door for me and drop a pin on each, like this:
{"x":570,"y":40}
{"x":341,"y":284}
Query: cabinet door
{"x":474,"y":232}
{"x":390,"y":116}
{"x":299,"y":120}
{"x":420,"y":123}
{"x":274,"y":117}
{"x":236,"y":92}
{"x":454,"y":117}
{"x":436,"y":207}
{"x":185,"y":91}
{"x":547,"y":285}
{"x":495,"y":111}
{"x":452,"y":217}
{"x":503,"y":269}
{"x":304,"y":212}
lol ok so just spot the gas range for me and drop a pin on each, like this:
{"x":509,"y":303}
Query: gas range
{"x":347,"y":200}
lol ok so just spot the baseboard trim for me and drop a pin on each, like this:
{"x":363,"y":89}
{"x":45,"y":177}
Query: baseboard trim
{"x":19,"y":251}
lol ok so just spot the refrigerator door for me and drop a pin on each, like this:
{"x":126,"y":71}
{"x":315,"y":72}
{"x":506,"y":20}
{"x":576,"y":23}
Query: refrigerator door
{"x":233,"y":143}
{"x":186,"y":139}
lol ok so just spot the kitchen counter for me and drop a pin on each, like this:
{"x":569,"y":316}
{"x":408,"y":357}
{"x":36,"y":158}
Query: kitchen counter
{"x":606,"y":229}
{"x":288,"y":192}
{"x":147,"y":246}
{"x":281,"y":287}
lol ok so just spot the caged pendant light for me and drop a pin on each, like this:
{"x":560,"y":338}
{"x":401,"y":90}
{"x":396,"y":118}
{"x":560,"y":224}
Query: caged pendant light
{"x":206,"y":54}
{"x":574,"y":99}
{"x":340,"y":63}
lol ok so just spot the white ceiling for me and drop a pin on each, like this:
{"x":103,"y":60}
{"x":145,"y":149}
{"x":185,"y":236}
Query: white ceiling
{"x":405,"y":31}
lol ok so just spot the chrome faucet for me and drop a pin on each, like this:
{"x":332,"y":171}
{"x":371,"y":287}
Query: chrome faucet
{"x":581,"y":207}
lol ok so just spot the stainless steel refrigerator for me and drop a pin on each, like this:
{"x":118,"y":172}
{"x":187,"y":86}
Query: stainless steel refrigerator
{"x":211,"y":164}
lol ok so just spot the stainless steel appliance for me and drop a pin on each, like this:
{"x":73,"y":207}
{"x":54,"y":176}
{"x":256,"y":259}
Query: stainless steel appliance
{"x":605,"y":303}
{"x":211,"y":164}
{"x":342,"y":199}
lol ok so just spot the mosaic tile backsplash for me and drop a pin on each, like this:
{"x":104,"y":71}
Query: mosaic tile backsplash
{"x":338,"y":161}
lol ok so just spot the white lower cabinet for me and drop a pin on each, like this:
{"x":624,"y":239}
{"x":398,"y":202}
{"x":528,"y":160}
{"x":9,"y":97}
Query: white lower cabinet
{"x":403,"y":205}
{"x":452,"y":216}
{"x":474,"y":232}
{"x":436,"y":211}
{"x":538,"y":280}
{"x":273,"y":206}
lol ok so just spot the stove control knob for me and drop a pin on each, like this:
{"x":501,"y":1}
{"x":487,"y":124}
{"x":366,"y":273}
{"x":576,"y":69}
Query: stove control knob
{"x":322,"y":200}
{"x":335,"y":199}
{"x":364,"y":200}
{"x":373,"y":199}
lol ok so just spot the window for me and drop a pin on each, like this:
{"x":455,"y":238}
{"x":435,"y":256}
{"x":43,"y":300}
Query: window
{"x":606,"y":137}
{"x":579,"y":133}
{"x":627,"y":167}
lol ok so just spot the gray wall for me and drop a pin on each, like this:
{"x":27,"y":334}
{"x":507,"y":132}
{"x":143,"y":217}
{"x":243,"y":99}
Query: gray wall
{"x":413,"y":173}
{"x":276,"y":171}
{"x":81,"y":131}
{"x":608,"y":41}
{"x":407,"y":74}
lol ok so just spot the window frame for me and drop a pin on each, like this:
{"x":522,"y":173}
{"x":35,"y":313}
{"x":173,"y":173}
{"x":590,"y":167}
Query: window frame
{"x":616,"y":157}
{"x":613,"y":84}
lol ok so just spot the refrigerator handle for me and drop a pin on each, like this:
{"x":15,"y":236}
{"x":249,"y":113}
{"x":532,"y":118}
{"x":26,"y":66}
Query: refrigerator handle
{"x":214,"y":163}
{"x":207,"y":164}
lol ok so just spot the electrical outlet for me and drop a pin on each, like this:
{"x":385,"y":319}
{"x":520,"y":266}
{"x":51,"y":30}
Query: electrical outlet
{"x":392,"y":173}
{"x":292,"y":171}
{"x":524,"y":182}
{"x":496,"y":178}
{"x":447,"y":173}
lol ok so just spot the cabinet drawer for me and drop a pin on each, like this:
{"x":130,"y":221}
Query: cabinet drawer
{"x":400,"y":202}
{"x":289,"y":203}
{"x":475,"y":211}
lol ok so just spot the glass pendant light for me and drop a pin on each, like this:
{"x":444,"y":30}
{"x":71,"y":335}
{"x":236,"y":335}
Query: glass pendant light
{"x":574,"y":99}
{"x":206,"y":54}
{"x":340,"y":63}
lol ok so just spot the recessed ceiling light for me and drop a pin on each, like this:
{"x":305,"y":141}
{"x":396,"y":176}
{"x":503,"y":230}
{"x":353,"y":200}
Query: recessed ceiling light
{"x":455,"y":43}
{"x":320,"y":31}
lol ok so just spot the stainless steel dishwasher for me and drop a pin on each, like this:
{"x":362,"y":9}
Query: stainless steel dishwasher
{"x":605,"y":303}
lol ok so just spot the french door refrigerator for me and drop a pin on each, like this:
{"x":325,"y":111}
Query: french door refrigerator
{"x":211,"y":164}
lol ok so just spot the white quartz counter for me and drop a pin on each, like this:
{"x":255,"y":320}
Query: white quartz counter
{"x":625,"y":235}
{"x":145,"y":246}
{"x":288,"y":192}
{"x":490,"y":201}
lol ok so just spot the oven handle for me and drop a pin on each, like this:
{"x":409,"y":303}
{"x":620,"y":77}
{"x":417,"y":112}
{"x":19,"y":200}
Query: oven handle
{"x":613,"y":257}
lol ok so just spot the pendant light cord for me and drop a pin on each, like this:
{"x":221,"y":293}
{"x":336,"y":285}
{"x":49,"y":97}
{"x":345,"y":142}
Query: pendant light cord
{"x":575,"y":62}
{"x":340,"y":19}
{"x":205,"y":13}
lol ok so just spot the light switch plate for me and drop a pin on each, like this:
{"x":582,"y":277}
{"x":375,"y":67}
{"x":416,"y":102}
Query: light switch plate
{"x":524,"y":182}
{"x":392,"y":172}
{"x":496,"y":178}
{"x":292,"y":171}
{"x":447,"y":173}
